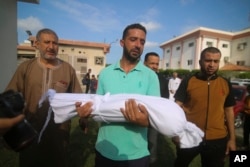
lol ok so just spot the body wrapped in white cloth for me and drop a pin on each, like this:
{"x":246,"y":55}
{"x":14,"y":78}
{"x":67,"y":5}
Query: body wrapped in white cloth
{"x":165,"y":116}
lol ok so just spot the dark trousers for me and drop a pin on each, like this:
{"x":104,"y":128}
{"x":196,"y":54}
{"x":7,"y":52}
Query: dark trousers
{"x":50,"y":152}
{"x":212,"y":154}
{"x":152,"y":144}
{"x":246,"y":130}
{"x":101,"y":161}
{"x":87,"y":88}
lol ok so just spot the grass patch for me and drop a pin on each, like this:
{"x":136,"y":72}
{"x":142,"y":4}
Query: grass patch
{"x":82,"y":151}
{"x":82,"y":146}
{"x":8,"y":158}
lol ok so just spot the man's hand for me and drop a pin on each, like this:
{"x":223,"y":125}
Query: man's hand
{"x":176,"y":140}
{"x":134,"y":113}
{"x":7,"y":123}
{"x":85,"y":110}
{"x":231,"y":146}
{"x":83,"y":123}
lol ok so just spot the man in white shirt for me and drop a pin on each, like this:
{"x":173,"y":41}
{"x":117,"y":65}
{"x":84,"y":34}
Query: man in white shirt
{"x":173,"y":85}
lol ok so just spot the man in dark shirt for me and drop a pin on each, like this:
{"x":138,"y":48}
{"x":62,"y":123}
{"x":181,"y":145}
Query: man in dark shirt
{"x":87,"y":76}
{"x":207,"y":100}
{"x":152,"y":60}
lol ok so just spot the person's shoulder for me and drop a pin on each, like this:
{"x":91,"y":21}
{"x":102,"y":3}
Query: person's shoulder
{"x":28,"y":63}
{"x":142,"y":67}
{"x":110,"y":68}
{"x":188,"y":77}
{"x":33,"y":60}
{"x":223,"y":79}
{"x":160,"y":75}
{"x":171,"y":79}
{"x":147,"y":69}
{"x":149,"y":72}
{"x":66,"y":64}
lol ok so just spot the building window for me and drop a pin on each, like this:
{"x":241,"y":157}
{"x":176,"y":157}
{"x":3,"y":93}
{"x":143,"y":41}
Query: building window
{"x":189,"y":62}
{"x":80,"y":64}
{"x":209,"y":44}
{"x":242,"y":46}
{"x":240,"y":63}
{"x":83,"y":69}
{"x":99,"y":60}
{"x":81,"y":60}
{"x":178,"y":48}
{"x":225,"y":45}
{"x":167,"y":64}
{"x":168,"y":51}
{"x":191,"y":44}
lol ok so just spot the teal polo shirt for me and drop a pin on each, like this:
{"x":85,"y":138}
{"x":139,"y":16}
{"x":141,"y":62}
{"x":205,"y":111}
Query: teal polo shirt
{"x":125,"y":141}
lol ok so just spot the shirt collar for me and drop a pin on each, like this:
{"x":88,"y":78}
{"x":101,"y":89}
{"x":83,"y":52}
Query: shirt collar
{"x":138,"y":67}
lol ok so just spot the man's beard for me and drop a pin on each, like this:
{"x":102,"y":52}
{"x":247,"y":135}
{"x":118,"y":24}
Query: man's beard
{"x":50,"y":57}
{"x":205,"y":73}
{"x":129,"y":57}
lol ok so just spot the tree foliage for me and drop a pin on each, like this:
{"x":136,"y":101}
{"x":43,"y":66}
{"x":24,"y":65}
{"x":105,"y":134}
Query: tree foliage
{"x":227,"y":73}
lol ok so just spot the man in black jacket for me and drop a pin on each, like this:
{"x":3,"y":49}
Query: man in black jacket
{"x":87,"y":77}
{"x":152,"y":60}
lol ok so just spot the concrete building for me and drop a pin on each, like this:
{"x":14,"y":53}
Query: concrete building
{"x":183,"y":52}
{"x":81,"y":55}
{"x":8,"y":42}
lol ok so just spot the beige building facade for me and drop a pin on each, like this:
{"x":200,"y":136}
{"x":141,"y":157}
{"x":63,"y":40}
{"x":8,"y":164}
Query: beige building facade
{"x":81,"y":55}
{"x":183,"y":52}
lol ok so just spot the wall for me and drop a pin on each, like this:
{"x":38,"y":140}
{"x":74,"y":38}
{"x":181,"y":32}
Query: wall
{"x":8,"y":42}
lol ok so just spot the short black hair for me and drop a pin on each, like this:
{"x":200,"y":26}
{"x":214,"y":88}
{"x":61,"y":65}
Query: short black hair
{"x":150,"y":54}
{"x":210,"y":50}
{"x":133,"y":26}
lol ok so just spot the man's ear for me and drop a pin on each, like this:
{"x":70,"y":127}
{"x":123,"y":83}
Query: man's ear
{"x":122,"y":42}
{"x":36,"y":44}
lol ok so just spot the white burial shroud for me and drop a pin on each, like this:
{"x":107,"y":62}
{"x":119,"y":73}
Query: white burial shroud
{"x":165,"y":116}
